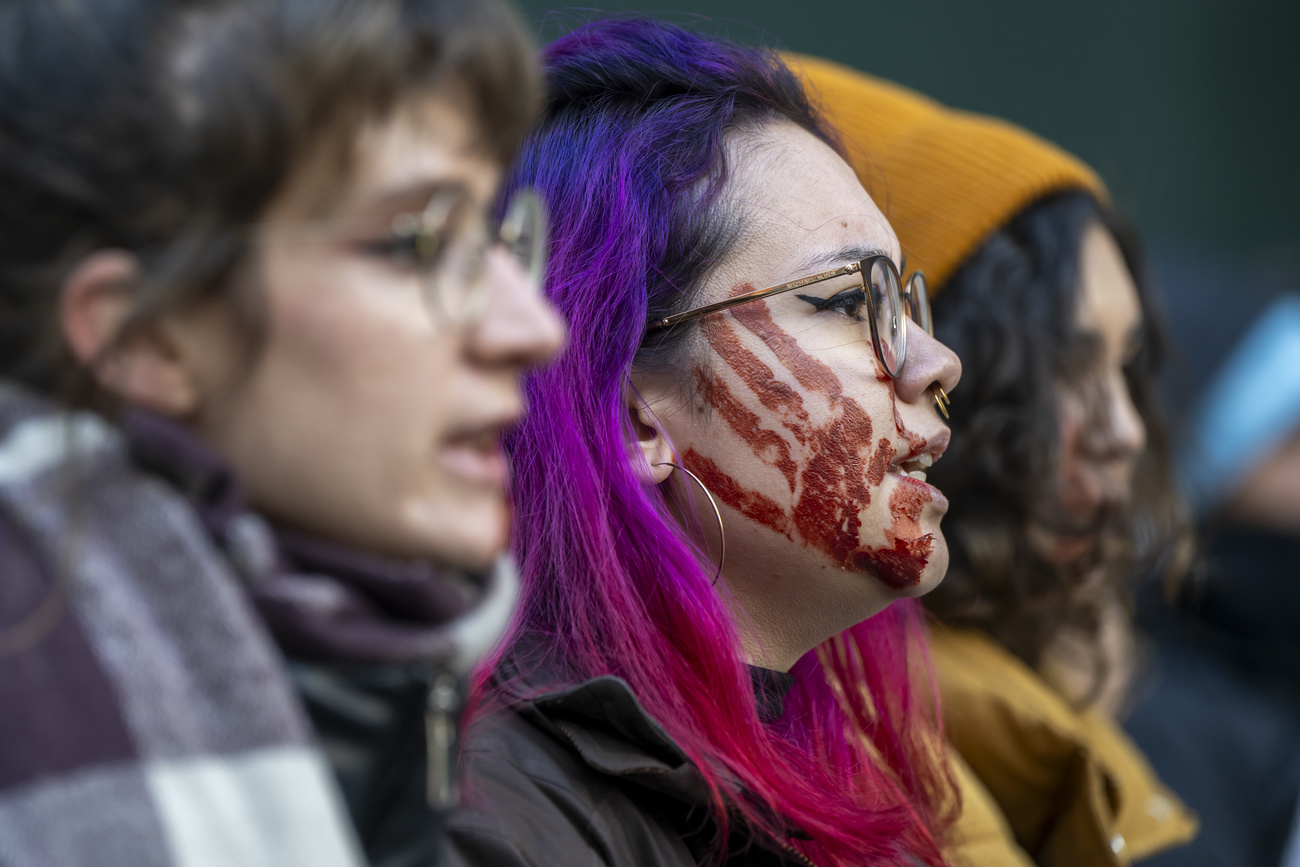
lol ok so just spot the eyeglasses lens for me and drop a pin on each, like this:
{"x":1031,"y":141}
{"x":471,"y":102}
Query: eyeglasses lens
{"x":891,"y":334}
{"x":918,"y":294}
{"x":449,"y":256}
{"x":523,"y":234}
{"x":454,"y":241}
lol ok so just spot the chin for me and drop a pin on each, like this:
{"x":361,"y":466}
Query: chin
{"x":469,"y":536}
{"x":935,"y":569}
{"x":914,"y":557}
{"x":475,"y":548}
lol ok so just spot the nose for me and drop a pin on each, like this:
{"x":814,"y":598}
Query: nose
{"x":1126,"y":432}
{"x":929,"y":363}
{"x":519,"y":327}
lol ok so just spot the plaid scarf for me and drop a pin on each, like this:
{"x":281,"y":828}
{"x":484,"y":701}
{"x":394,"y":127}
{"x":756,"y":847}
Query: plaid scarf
{"x":145,"y":718}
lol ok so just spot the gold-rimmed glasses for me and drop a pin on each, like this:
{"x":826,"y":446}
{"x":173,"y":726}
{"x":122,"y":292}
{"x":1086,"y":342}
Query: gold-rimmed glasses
{"x":888,"y":305}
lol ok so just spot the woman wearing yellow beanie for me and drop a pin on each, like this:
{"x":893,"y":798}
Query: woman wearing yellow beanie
{"x":1057,"y":472}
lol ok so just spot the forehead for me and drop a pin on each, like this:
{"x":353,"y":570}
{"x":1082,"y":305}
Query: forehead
{"x":800,"y":204}
{"x":1108,"y":299}
{"x":427,"y":142}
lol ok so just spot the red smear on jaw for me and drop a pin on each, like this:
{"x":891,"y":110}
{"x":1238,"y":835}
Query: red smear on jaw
{"x":834,"y":488}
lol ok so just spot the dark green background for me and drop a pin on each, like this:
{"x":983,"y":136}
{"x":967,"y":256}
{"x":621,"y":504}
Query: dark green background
{"x":1189,"y":108}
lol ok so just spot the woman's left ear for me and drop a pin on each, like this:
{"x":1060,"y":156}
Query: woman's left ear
{"x":146,"y":368}
{"x":653,"y":453}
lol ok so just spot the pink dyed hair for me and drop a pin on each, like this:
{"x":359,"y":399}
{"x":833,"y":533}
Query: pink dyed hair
{"x":629,"y":157}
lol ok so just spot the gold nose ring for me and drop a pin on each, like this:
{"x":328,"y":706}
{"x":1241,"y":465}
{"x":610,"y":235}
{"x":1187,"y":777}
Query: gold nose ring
{"x":941,"y":400}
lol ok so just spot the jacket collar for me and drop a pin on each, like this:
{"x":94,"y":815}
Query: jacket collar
{"x":608,"y":726}
{"x":615,"y":736}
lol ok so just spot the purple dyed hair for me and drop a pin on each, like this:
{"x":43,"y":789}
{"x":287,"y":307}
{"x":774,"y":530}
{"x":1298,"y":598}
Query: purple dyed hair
{"x":630,"y":158}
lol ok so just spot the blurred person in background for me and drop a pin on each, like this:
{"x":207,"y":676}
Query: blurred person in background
{"x":258,"y":343}
{"x":1219,"y":710}
{"x":663,"y":700}
{"x":1057,"y":472}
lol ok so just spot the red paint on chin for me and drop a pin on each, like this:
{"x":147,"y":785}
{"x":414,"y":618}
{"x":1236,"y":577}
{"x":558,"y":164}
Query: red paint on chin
{"x":753,"y":505}
{"x":909,"y":499}
{"x":902,"y":563}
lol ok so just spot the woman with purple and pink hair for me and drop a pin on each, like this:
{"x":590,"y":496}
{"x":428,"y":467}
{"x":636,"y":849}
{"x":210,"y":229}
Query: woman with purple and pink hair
{"x":720,"y":497}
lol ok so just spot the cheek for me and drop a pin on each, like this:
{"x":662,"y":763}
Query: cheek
{"x":1079,"y":491}
{"x":356,"y":347}
{"x":791,"y":410}
{"x":337,"y":417}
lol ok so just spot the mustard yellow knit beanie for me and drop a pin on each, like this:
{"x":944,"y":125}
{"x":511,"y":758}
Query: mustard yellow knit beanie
{"x":945,"y":179}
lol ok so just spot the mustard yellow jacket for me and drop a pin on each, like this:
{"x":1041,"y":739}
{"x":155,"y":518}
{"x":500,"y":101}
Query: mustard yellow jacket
{"x":1041,"y":782}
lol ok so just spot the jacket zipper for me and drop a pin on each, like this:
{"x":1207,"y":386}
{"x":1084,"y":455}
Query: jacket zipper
{"x":441,"y":710}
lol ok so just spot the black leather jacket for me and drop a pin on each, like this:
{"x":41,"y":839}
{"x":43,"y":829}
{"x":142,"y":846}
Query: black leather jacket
{"x":585,"y":776}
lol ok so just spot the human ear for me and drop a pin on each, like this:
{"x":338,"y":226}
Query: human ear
{"x":653,"y":452}
{"x":145,"y":368}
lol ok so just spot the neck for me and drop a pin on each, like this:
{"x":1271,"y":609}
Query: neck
{"x":782,"y":618}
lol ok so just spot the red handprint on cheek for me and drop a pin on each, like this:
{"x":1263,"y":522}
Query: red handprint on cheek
{"x":827,"y":467}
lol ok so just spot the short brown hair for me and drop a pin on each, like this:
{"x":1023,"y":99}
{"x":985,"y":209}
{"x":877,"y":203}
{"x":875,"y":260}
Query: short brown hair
{"x":166,"y":128}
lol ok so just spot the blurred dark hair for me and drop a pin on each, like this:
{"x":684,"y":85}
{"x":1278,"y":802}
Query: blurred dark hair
{"x":1009,"y":313}
{"x":166,"y":127}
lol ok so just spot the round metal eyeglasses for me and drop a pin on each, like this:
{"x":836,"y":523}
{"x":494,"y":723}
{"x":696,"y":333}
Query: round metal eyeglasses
{"x":451,"y":242}
{"x":888,"y":306}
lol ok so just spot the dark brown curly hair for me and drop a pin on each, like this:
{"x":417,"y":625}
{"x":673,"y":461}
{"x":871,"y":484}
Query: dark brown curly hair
{"x":1008,"y":313}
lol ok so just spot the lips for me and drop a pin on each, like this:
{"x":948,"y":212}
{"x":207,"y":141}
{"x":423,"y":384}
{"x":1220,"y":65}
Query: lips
{"x":921,"y":456}
{"x":912,"y":467}
{"x":474,"y":455}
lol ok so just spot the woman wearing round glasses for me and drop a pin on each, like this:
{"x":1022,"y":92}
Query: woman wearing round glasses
{"x":258,"y":344}
{"x":720,"y":480}
{"x":1058,"y":471}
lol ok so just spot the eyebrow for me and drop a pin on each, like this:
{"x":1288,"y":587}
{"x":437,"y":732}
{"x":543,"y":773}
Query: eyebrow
{"x":824,"y":260}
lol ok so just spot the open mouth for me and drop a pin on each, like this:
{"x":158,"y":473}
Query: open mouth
{"x":916,"y":467}
{"x":483,"y":442}
{"x":476,"y":456}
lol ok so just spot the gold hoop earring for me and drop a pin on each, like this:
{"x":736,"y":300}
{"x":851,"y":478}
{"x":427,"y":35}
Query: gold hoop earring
{"x":942,"y":401}
{"x":722,"y":532}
